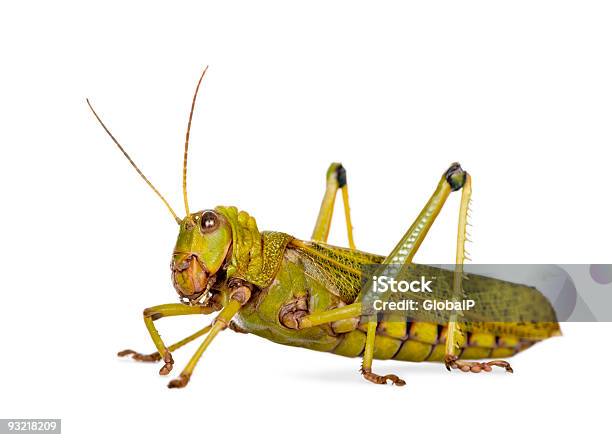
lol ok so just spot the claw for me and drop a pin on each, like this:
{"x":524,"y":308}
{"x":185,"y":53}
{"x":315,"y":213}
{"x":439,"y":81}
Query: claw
{"x":394,"y":380}
{"x":502,"y":364}
{"x":179,"y":382}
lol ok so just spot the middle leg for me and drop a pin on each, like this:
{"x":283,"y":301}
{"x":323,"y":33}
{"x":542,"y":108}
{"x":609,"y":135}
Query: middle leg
{"x":152,"y":314}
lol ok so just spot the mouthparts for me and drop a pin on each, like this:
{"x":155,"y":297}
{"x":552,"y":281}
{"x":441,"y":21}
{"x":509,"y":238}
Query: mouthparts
{"x":190,"y":277}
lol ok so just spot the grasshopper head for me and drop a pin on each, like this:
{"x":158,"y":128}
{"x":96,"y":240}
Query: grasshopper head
{"x":201,"y":248}
{"x":204,"y":238}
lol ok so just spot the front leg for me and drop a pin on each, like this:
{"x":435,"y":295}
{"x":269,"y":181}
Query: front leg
{"x":238,"y":297}
{"x":154,"y":313}
{"x":155,"y":356}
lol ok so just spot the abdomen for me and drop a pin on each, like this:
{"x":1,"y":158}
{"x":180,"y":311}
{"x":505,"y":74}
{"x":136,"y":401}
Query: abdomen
{"x":422,"y":341}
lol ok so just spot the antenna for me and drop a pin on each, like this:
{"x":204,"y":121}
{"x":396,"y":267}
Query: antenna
{"x":187,"y":142}
{"x":178,"y":220}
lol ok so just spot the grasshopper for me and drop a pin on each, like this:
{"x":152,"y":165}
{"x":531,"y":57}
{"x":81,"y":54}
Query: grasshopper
{"x":309,"y":293}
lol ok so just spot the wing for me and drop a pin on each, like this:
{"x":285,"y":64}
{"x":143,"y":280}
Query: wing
{"x":339,"y":269}
{"x":502,"y":307}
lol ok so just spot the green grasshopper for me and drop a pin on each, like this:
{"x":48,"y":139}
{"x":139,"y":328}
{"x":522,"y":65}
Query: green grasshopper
{"x":309,"y":293}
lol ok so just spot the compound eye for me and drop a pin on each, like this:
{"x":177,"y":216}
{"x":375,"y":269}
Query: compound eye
{"x":209,"y":221}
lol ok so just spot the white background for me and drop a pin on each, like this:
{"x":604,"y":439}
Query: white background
{"x":518,"y":92}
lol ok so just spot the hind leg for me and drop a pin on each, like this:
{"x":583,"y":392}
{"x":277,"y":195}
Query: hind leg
{"x":452,"y":180}
{"x":455,"y":333}
{"x":452,"y":361}
{"x":335,"y":181}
